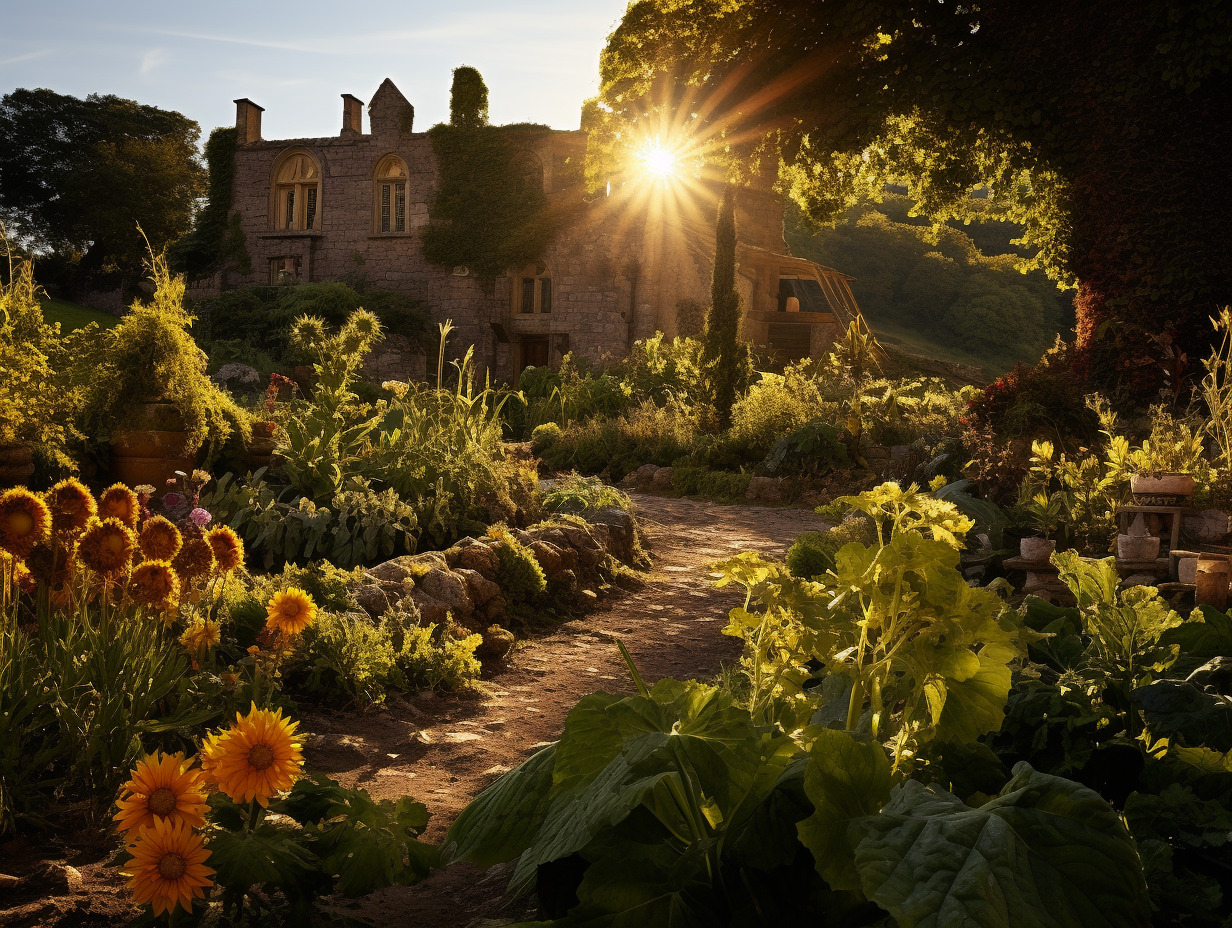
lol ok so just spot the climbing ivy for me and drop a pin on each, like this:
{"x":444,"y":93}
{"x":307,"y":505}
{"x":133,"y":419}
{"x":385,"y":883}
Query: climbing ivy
{"x":216,"y":240}
{"x":490,"y":212}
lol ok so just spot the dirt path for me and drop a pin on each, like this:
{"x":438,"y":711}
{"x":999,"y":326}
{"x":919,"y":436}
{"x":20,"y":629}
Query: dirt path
{"x":444,"y":750}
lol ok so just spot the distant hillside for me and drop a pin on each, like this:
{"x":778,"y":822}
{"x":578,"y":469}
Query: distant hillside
{"x":958,"y":298}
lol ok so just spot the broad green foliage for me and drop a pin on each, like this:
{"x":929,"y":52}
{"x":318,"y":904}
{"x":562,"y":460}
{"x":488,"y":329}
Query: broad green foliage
{"x":324,"y":839}
{"x":657,"y":787}
{"x":1046,"y":853}
{"x":1124,"y":631}
{"x":575,"y":494}
{"x":926,"y":656}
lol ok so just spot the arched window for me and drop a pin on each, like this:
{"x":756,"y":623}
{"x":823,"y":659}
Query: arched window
{"x":297,"y":192}
{"x":390,"y":195}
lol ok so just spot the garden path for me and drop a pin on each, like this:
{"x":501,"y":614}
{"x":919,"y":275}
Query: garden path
{"x":444,"y":749}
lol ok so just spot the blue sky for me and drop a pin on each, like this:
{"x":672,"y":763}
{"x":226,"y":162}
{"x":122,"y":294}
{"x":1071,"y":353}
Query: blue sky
{"x":539,"y":58}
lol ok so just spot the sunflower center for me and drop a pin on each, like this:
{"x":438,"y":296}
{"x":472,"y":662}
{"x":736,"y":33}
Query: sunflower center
{"x":171,"y":866}
{"x":290,"y":609}
{"x":261,"y":757}
{"x":21,"y":523}
{"x":161,"y":801}
{"x":115,"y":544}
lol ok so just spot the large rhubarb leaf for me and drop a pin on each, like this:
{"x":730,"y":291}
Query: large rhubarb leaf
{"x":1046,"y":853}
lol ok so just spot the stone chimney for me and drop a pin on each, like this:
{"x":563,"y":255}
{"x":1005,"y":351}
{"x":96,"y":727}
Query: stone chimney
{"x":247,"y":121}
{"x":352,"y":115}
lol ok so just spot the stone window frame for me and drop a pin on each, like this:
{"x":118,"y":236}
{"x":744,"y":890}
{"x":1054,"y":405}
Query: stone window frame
{"x":532,"y":284}
{"x":296,"y":201}
{"x":381,"y":178}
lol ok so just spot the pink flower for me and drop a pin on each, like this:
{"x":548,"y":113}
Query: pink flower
{"x":200,"y":517}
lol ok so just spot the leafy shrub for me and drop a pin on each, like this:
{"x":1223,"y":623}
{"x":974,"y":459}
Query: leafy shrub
{"x":648,"y":434}
{"x":687,"y":479}
{"x":774,"y":407}
{"x":433,"y":657}
{"x":575,"y":494}
{"x":662,"y":371}
{"x":544,"y":437}
{"x":902,"y":411}
{"x":810,"y":451}
{"x":344,"y":659}
{"x":518,"y":573}
{"x":811,"y":555}
{"x":723,"y":486}
{"x":359,"y":526}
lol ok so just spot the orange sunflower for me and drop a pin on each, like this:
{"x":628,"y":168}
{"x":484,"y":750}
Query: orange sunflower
{"x":106,"y":546}
{"x":119,"y":502}
{"x":290,"y":611}
{"x":72,"y":507}
{"x":159,"y":539}
{"x":196,"y":559}
{"x":155,"y":583}
{"x":256,"y":757}
{"x":168,"y":866}
{"x":162,"y":787}
{"x":227,"y":547}
{"x":24,"y":521}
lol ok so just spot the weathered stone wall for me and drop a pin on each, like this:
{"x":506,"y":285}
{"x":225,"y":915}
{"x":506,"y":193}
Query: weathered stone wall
{"x":618,"y":271}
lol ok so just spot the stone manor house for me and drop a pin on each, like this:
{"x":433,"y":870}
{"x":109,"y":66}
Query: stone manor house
{"x":629,"y":265}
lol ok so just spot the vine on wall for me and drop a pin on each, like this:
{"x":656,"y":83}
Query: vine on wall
{"x":490,"y":212}
{"x":216,"y":241}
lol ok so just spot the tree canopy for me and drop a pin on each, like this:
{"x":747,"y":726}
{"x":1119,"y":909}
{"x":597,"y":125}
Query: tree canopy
{"x":1096,"y":126}
{"x":78,"y":176}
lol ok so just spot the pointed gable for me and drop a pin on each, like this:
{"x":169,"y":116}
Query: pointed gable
{"x":390,"y":113}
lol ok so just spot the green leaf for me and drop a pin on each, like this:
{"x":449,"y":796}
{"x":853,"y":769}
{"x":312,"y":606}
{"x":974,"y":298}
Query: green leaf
{"x":502,"y":821}
{"x":847,"y":780}
{"x":976,"y":705}
{"x":1207,"y":633}
{"x":267,"y":855}
{"x":1047,"y":853}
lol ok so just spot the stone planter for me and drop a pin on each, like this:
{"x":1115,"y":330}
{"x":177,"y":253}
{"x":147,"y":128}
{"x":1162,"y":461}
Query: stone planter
{"x":1037,"y":550}
{"x":153,"y":454}
{"x":1211,"y":581}
{"x":1161,"y":489}
{"x":16,"y":465}
{"x":1137,"y":547}
{"x":1187,"y":570}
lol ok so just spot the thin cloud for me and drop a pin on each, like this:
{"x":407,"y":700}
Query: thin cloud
{"x":28,"y":56}
{"x":152,"y":60}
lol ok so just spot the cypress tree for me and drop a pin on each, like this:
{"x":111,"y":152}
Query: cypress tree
{"x":468,"y":99}
{"x":726,"y":362}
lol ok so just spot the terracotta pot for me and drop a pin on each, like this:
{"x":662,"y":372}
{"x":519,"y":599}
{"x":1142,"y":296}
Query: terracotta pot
{"x":16,"y":465}
{"x":1137,"y":547}
{"x":1036,"y":550}
{"x":1211,"y":581}
{"x":1161,"y":489}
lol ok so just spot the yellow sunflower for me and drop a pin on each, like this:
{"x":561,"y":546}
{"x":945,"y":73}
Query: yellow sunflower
{"x":119,"y":502}
{"x":167,"y":868}
{"x":159,"y":539}
{"x":155,"y":583}
{"x":290,"y":611}
{"x":199,"y":637}
{"x":196,"y":559}
{"x":24,"y":521}
{"x":256,"y":757}
{"x":106,"y":546}
{"x":162,"y":787}
{"x":72,"y":507}
{"x":227,"y":547}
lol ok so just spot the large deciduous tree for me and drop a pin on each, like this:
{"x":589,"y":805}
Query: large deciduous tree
{"x":1103,"y":127}
{"x":77,"y":177}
